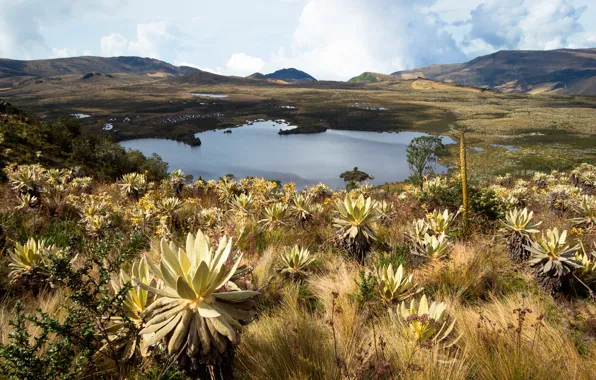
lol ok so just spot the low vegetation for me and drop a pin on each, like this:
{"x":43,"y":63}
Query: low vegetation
{"x":152,"y":278}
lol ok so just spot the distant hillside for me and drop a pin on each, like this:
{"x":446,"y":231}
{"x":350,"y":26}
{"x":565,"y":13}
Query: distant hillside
{"x":205,"y":77}
{"x":564,"y":71}
{"x":262,"y":77}
{"x":83,"y":65}
{"x":370,"y":77}
{"x":257,"y":76}
{"x":291,"y":75}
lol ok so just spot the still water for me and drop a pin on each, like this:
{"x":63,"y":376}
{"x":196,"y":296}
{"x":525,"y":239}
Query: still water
{"x":257,"y":150}
{"x":211,"y":95}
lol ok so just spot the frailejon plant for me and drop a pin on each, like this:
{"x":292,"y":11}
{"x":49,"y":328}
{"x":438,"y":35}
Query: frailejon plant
{"x":355,"y":225}
{"x":122,"y":331}
{"x":587,"y":212}
{"x":27,"y":201}
{"x":433,"y":247}
{"x":194,"y":314}
{"x":295,"y":262}
{"x":517,"y":229}
{"x":133,"y":185}
{"x":27,"y":179}
{"x":227,"y":188}
{"x":553,"y":260}
{"x":424,"y":322}
{"x":168,"y":206}
{"x":417,"y":231}
{"x":177,"y":180}
{"x":242,"y":204}
{"x":587,"y":260}
{"x":28,"y":262}
{"x":302,"y":207}
{"x":273,"y":215}
{"x":440,"y":222}
{"x":385,"y":210}
{"x":584,"y":177}
{"x":395,"y":285}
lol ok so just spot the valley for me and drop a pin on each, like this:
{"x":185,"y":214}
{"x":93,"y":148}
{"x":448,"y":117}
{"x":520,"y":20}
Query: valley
{"x":553,"y":131}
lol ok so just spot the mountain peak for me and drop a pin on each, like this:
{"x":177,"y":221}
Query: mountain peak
{"x":291,"y":75}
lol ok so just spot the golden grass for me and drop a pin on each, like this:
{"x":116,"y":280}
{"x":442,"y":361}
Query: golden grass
{"x":287,"y":343}
{"x":48,"y":302}
{"x":501,"y":347}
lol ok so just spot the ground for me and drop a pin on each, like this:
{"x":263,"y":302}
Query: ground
{"x":552,"y":131}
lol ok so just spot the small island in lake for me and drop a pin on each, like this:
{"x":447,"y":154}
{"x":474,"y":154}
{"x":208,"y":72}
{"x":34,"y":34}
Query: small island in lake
{"x":355,"y":175}
{"x":302,"y":130}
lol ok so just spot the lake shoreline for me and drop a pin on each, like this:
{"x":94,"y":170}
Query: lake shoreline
{"x":305,"y":159}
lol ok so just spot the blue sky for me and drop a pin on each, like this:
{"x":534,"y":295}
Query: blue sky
{"x":330,"y":39}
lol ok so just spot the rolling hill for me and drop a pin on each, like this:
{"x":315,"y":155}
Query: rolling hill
{"x":563,"y":71}
{"x":263,"y":77}
{"x":291,"y":75}
{"x":370,"y":77}
{"x":45,"y":68}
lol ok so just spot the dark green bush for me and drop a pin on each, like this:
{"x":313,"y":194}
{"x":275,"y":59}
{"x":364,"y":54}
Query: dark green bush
{"x":63,"y":143}
{"x":69,"y":347}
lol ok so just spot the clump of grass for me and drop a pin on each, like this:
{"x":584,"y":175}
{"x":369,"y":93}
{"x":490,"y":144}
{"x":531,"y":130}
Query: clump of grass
{"x":287,"y":343}
{"x":520,"y":337}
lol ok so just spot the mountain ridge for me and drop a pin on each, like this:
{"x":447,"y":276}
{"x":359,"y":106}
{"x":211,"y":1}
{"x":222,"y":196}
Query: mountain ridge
{"x":43,"y":68}
{"x":563,"y":71}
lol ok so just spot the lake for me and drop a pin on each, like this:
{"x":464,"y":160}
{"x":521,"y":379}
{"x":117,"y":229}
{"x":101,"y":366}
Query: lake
{"x":211,"y":95}
{"x":257,"y":150}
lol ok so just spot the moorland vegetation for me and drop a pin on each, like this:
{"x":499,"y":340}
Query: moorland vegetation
{"x":125,"y":272}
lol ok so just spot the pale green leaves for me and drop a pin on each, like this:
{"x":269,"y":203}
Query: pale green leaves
{"x":356,"y":217}
{"x":194,"y":310}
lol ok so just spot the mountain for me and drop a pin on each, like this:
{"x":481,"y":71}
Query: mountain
{"x":205,"y":77}
{"x":263,"y":77}
{"x":45,"y":68}
{"x":370,"y":77}
{"x":258,"y":76}
{"x":563,"y":71}
{"x":291,"y":76}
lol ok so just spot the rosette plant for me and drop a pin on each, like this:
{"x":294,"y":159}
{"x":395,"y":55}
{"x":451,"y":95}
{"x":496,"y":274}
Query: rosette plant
{"x":121,"y":332}
{"x":553,"y":260}
{"x":517,"y":229}
{"x":296,"y":262}
{"x":28,"y":262}
{"x":423,"y":321}
{"x":394,"y":285}
{"x":195,"y":315}
{"x":355,"y":225}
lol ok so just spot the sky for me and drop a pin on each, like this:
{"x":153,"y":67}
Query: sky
{"x":329,"y":39}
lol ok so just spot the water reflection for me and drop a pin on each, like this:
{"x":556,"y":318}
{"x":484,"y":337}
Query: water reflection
{"x":257,"y":150}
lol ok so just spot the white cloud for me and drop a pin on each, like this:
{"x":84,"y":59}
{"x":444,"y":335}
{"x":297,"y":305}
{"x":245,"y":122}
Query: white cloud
{"x":63,"y":53}
{"x":337,"y":39}
{"x":23,"y":24}
{"x":242,"y":64}
{"x":524,"y":24}
{"x":113,"y":45}
{"x":153,"y":40}
{"x":239,"y":64}
{"x":218,"y":70}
